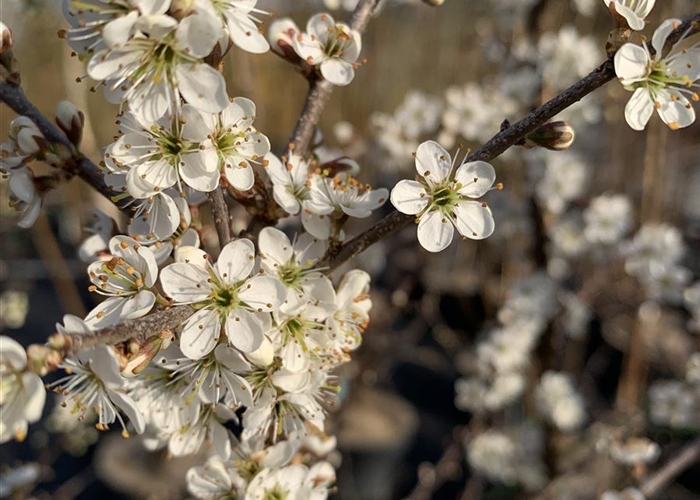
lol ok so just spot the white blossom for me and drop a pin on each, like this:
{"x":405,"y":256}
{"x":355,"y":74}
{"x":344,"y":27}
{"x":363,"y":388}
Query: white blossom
{"x":660,"y":82}
{"x":161,"y":62}
{"x":126,"y":279}
{"x":225,"y":296}
{"x":94,"y":382}
{"x":334,"y":47}
{"x":608,"y":219}
{"x":22,"y":393}
{"x":444,"y":198}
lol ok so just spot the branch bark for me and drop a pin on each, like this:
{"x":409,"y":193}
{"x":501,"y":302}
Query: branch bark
{"x":78,"y":164}
{"x":498,"y":144}
{"x":222,"y":219}
{"x":140,"y":329}
{"x":661,"y":478}
{"x":320,"y":90}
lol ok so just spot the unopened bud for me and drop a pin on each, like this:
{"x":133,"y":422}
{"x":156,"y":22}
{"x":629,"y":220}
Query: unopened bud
{"x":6,"y":38}
{"x":263,"y":355}
{"x":9,"y":69}
{"x":280,"y":37}
{"x":71,"y":120}
{"x":179,"y":9}
{"x":26,"y":135}
{"x":139,"y":355}
{"x":555,"y":136}
{"x":434,"y":3}
{"x":42,"y":359}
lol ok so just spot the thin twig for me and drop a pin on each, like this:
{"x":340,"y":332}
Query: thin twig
{"x":222,"y":220}
{"x":658,"y":481}
{"x":77,"y":164}
{"x":498,"y":144}
{"x":320,"y":90}
{"x":139,"y":329}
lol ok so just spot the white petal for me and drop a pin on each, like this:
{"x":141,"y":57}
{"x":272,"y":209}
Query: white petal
{"x":240,"y":177}
{"x":243,"y":330}
{"x":34,"y":388}
{"x":202,"y":86}
{"x":631,"y":63}
{"x":476,"y":178}
{"x":130,"y":409}
{"x":433,"y":162}
{"x":200,"y":334}
{"x":639,"y":109}
{"x":12,"y":353}
{"x":263,"y":293}
{"x":275,"y":246}
{"x":185,"y":283}
{"x":409,"y":197}
{"x":318,"y":225}
{"x":196,"y":174}
{"x":658,"y":39}
{"x":117,"y":32}
{"x":320,"y":25}
{"x":337,"y":71}
{"x":474,"y":220}
{"x":435,"y":231}
{"x":197,"y":34}
{"x":244,"y":33}
{"x":285,"y":199}
{"x":236,"y":261}
{"x":677,"y":112}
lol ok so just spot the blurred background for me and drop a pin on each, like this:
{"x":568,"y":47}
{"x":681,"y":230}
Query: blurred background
{"x":452,"y":74}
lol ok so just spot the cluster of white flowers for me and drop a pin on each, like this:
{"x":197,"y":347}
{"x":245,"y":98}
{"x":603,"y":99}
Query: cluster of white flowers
{"x":417,"y":117}
{"x":508,"y":458}
{"x":558,"y":401}
{"x":267,"y":334}
{"x":503,"y":356}
{"x":654,"y":257}
{"x":151,"y":54}
{"x":676,"y":403}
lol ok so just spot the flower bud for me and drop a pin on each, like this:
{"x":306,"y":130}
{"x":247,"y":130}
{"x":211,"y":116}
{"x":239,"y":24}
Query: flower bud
{"x":26,"y":135}
{"x":42,"y":359}
{"x":71,"y":120}
{"x":555,"y":136}
{"x":6,"y":38}
{"x":280,"y":37}
{"x":179,"y":9}
{"x":141,"y":354}
{"x":434,"y":3}
{"x":263,"y":355}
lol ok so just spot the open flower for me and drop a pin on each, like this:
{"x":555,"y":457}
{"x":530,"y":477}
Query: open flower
{"x":126,"y":279}
{"x":225,"y":296}
{"x":659,"y":82}
{"x":22,"y":393}
{"x":334,"y":47}
{"x":94,"y":381}
{"x":442,"y":198}
{"x":234,"y":143}
{"x":164,"y":60}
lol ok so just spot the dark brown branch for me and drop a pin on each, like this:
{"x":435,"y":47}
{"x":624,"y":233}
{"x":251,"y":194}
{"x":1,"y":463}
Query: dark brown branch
{"x":498,"y":144}
{"x":140,"y":329}
{"x":661,"y":478}
{"x":77,"y":164}
{"x":320,"y":90}
{"x":222,"y":219}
